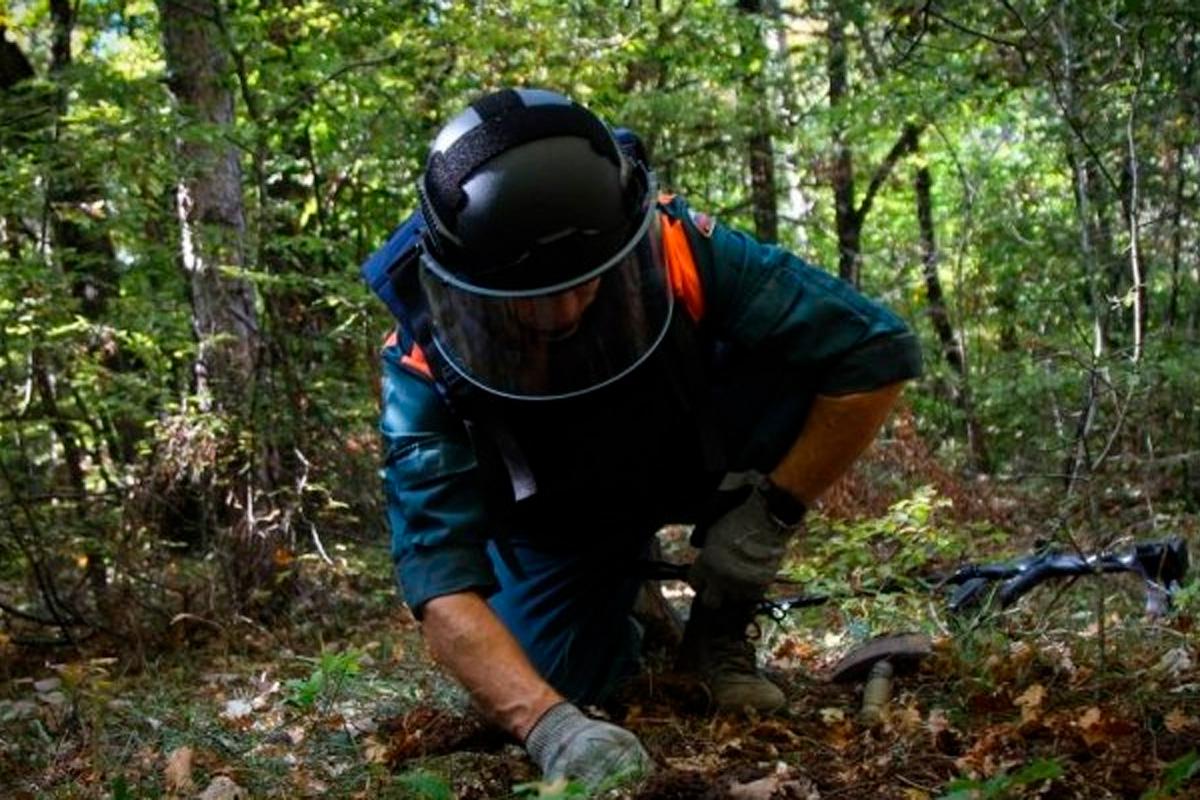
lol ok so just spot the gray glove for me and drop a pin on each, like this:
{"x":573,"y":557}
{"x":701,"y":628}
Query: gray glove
{"x":744,"y":546}
{"x":567,"y":743}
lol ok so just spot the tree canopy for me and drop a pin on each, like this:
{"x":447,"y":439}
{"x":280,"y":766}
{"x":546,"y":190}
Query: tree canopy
{"x":188,"y":356}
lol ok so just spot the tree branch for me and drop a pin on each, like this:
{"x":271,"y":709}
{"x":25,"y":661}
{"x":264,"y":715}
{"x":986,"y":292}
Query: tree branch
{"x":905,"y":144}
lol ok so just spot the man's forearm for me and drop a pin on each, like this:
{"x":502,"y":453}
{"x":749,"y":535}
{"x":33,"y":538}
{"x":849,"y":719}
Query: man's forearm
{"x":837,"y":431}
{"x":471,"y":642}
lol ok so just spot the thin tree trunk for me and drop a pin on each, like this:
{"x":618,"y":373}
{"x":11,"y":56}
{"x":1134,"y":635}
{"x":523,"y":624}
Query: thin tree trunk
{"x":760,"y":148}
{"x":83,"y":250}
{"x":842,"y":178}
{"x":1177,"y":201}
{"x":81,"y":239}
{"x":762,"y":187}
{"x":210,"y":205}
{"x":849,"y":213}
{"x":1137,"y":269}
{"x":211,"y":212}
{"x":1076,"y":466}
{"x":939,"y":316}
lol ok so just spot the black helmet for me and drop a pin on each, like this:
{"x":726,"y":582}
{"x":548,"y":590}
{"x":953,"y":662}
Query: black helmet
{"x":541,"y":261}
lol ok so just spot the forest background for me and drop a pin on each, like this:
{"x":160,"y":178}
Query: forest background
{"x":188,"y":357}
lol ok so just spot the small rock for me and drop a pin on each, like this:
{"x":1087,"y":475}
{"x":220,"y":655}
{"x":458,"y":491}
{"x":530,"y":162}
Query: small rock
{"x":1175,"y":662}
{"x":361,"y":725}
{"x":53,"y":698}
{"x":46,"y":685}
{"x":223,"y":788}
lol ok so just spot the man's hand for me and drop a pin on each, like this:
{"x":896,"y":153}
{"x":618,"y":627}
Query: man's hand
{"x":566,"y":743}
{"x":742,"y":549}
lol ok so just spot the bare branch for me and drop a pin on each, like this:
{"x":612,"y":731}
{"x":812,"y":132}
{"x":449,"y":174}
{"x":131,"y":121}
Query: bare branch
{"x":909,"y":138}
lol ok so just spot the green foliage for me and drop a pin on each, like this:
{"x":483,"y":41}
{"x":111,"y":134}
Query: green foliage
{"x":1002,"y":786}
{"x":423,"y":785}
{"x":554,"y":790}
{"x":1175,"y":777}
{"x":117,"y":484}
{"x":120,"y":789}
{"x":898,"y":547}
{"x":331,"y":675}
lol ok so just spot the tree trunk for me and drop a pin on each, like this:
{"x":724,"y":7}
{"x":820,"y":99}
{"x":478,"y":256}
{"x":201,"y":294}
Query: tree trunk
{"x":760,"y":148}
{"x":210,"y":204}
{"x":1177,"y":203}
{"x":82,"y":243}
{"x":1077,"y":464}
{"x":14,"y":66}
{"x":842,"y":177}
{"x":211,"y":212}
{"x":850,"y":213}
{"x":940,"y":317}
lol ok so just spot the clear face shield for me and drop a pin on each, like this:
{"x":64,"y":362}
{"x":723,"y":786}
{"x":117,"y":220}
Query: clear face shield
{"x":558,"y":341}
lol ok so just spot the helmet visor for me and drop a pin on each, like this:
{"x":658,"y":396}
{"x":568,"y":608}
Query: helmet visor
{"x":561,"y":340}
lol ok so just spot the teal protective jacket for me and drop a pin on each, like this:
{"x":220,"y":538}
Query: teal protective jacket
{"x":786,"y":316}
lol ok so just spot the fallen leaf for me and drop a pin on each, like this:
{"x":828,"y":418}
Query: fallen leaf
{"x":1030,"y":703}
{"x":783,"y":782}
{"x":1096,"y":728}
{"x":841,"y":735}
{"x":237,"y":708}
{"x":1176,"y":721}
{"x":178,"y":772}
{"x":375,"y":752}
{"x":905,"y":720}
{"x":1090,"y":718}
{"x":938,"y":721}
{"x":831,"y":716}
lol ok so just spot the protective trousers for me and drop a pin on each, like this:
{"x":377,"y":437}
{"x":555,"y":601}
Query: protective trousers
{"x":570,"y":608}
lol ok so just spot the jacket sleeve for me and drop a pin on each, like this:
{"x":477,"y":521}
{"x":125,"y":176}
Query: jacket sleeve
{"x":433,"y":490}
{"x":765,"y":298}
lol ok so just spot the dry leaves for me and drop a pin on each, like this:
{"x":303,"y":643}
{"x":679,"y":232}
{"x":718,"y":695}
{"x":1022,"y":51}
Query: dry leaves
{"x":177,"y":775}
{"x":1030,"y":703}
{"x":1176,"y":721}
{"x":784,"y":782}
{"x":1097,"y":728}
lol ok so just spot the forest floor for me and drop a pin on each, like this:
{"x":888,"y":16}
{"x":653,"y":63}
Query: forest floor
{"x":1072,"y":693}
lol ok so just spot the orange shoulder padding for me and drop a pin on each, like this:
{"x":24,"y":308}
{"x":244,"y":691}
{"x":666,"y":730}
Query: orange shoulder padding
{"x":416,"y":361}
{"x":682,"y":273}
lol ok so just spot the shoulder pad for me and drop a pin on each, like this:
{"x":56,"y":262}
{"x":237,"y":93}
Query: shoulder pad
{"x":402,"y":248}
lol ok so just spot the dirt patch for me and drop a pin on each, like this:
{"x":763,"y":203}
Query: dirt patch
{"x":429,"y":731}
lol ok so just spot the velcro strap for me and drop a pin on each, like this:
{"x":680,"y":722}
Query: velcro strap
{"x":497,"y":134}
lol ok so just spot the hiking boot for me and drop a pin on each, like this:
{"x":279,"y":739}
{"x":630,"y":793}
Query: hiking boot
{"x":716,"y":647}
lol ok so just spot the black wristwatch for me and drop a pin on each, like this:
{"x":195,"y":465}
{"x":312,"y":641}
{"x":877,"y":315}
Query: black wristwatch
{"x":782,"y":504}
